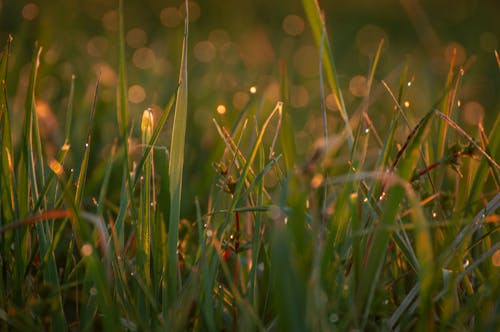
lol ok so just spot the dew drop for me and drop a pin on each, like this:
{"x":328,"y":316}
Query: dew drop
{"x":93,"y":291}
{"x":365,"y":199}
{"x":86,"y":145}
{"x":367,"y":130}
{"x":285,"y":220}
{"x":434,"y":214}
{"x":409,"y":83}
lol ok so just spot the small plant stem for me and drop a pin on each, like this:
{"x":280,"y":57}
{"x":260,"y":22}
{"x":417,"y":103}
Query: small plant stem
{"x":236,"y":267}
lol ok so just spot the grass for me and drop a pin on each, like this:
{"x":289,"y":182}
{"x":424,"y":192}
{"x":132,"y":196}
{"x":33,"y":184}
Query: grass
{"x":368,"y":232}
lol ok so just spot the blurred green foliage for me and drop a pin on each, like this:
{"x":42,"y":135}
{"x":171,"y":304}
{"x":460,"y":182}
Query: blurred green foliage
{"x":238,"y":44}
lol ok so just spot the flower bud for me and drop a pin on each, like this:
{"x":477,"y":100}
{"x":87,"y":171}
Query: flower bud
{"x":147,"y":125}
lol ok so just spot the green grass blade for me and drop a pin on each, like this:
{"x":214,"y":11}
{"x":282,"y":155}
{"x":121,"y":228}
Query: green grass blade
{"x":122,"y":77}
{"x":407,"y":158}
{"x":373,"y":68}
{"x":69,"y":110}
{"x":315,"y":18}
{"x":175,"y":167}
{"x":479,"y":181}
{"x":286,"y":135}
{"x":446,"y":107}
{"x":123,"y":124}
{"x":82,"y":177}
{"x":7,"y":176}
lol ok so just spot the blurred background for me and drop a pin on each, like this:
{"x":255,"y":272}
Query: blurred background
{"x":235,"y":51}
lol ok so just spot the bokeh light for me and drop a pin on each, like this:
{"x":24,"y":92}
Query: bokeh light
{"x":358,"y":86}
{"x":30,"y":11}
{"x":331,"y":102}
{"x":144,"y":58}
{"x":136,"y":94}
{"x":473,"y":113}
{"x":107,"y":74}
{"x":170,"y":17}
{"x":204,"y":51}
{"x":293,"y":25}
{"x":110,"y":20}
{"x":256,"y":49}
{"x":221,"y":109}
{"x":97,"y":46}
{"x":136,"y":38}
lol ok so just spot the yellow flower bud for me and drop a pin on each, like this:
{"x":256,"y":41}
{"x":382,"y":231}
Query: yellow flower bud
{"x":147,"y":125}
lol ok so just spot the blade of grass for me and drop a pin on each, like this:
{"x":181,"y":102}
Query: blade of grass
{"x":82,"y":177}
{"x":175,"y":167}
{"x":123,"y":124}
{"x":287,"y":138}
{"x":7,"y":179}
{"x":408,"y":157}
{"x":316,"y":20}
{"x":446,"y":107}
{"x":8,"y":205}
{"x":237,"y":194}
{"x":143,"y":229}
{"x":493,"y":164}
{"x":482,"y":171}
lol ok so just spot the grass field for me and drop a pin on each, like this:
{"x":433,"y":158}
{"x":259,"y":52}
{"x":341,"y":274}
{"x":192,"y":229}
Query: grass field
{"x":173,"y":179}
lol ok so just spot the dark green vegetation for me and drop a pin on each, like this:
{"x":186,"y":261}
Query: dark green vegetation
{"x":260,"y":194}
